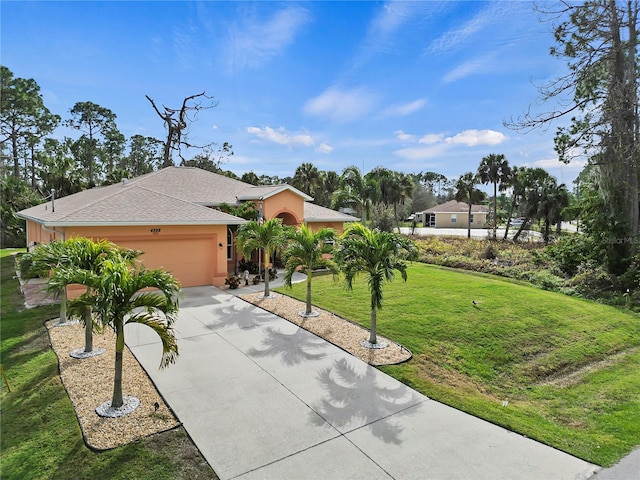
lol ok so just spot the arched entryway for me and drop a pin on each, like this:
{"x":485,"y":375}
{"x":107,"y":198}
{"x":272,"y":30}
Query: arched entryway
{"x":287,"y":219}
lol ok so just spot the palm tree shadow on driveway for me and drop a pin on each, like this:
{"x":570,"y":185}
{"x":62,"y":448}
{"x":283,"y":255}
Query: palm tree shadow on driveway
{"x":292,"y":348}
{"x":354,"y":400}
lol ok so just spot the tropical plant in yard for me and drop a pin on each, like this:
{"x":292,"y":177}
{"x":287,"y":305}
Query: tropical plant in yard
{"x":120,"y":296}
{"x":41,"y":262}
{"x":306,"y":249}
{"x":261,"y":235}
{"x":376,"y":255}
{"x":494,"y":168}
{"x":85,"y":254}
{"x":466,"y":191}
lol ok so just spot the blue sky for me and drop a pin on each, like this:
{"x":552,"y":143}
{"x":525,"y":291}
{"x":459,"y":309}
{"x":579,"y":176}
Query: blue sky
{"x":411,"y":86}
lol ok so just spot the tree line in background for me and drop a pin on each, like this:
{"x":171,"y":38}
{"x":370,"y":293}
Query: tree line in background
{"x":599,"y":94}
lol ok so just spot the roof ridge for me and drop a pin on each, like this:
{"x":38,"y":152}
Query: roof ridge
{"x":182,"y":199}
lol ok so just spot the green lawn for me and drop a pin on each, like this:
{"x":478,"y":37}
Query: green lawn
{"x":568,"y":367}
{"x":40,"y":436}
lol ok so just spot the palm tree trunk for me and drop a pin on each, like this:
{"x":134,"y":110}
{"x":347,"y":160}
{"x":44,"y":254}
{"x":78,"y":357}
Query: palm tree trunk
{"x":308,"y":311}
{"x":469,"y":221}
{"x":517,"y":235}
{"x":266,"y":273}
{"x":511,"y":207}
{"x":88,"y":330}
{"x":63,"y":306}
{"x":117,"y":400}
{"x":372,"y":334}
{"x":495,"y":209}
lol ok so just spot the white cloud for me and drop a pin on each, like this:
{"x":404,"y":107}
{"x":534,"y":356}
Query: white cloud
{"x":454,"y":38}
{"x":472,"y":138}
{"x":341,"y":105}
{"x":324,"y":148}
{"x":421,"y":153}
{"x":280,"y":136}
{"x":404,"y":109}
{"x":554,"y":163}
{"x":434,"y":145}
{"x":481,"y":64}
{"x":431,"y":138}
{"x":405,"y":137}
{"x":255,"y":43}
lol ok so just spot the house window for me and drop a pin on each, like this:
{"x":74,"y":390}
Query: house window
{"x":471,"y":218}
{"x":454,"y":217}
{"x":229,"y":244}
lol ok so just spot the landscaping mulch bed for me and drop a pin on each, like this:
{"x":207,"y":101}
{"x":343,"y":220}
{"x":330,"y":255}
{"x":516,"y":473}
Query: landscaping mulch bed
{"x":89,"y":382}
{"x":343,"y":333}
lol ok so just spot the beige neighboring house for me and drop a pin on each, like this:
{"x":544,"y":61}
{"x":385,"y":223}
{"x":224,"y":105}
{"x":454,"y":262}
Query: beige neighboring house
{"x":171,"y":216}
{"x":453,"y":214}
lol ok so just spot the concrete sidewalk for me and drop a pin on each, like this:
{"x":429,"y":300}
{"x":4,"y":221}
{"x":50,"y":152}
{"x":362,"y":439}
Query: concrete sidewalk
{"x":262,"y":398}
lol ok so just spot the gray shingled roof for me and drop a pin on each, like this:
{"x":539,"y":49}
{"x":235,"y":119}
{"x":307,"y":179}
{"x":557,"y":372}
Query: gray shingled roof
{"x":173,"y":195}
{"x":125,"y":205}
{"x":453,"y":206}
{"x":316,"y":213}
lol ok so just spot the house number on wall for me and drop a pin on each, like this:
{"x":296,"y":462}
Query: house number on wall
{"x":155,"y":230}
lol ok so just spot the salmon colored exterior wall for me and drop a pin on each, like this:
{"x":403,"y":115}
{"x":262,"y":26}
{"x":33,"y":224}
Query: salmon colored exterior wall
{"x":192,"y":252}
{"x":337,"y":226}
{"x":284,"y":202}
{"x":35,"y":233}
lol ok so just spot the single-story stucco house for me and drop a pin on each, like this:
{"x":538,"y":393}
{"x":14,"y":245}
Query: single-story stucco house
{"x":171,"y":215}
{"x":453,"y":214}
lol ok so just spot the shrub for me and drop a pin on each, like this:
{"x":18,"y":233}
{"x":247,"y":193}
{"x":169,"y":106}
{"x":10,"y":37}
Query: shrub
{"x":245,"y":264}
{"x":570,"y":252}
{"x":233,"y":281}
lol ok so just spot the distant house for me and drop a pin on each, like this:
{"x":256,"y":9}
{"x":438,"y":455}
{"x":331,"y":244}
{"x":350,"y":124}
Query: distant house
{"x":453,"y":214}
{"x":172,"y":216}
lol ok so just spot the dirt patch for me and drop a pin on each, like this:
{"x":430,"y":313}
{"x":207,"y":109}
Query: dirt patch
{"x":567,"y":379}
{"x":334,"y":329}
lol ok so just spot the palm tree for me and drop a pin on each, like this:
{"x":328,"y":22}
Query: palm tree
{"x":306,"y":249}
{"x":357,"y":191}
{"x":86,"y":254}
{"x":45,"y":258}
{"x":266,"y":236}
{"x":533,"y":190}
{"x":306,"y":177}
{"x":466,"y":191}
{"x":495,"y":169}
{"x":554,"y":199}
{"x":120,"y":296}
{"x":377,"y":255}
{"x":516,"y":182}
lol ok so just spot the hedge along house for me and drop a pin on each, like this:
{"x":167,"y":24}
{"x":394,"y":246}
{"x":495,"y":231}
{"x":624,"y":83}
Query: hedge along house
{"x":171,"y":216}
{"x":453,"y":214}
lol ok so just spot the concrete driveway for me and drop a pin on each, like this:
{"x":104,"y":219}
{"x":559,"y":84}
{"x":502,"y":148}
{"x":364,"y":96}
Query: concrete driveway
{"x":262,"y":398}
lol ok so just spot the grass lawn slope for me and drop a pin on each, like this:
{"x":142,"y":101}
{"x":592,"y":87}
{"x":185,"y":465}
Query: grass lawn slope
{"x":568,"y":368}
{"x":40,"y":436}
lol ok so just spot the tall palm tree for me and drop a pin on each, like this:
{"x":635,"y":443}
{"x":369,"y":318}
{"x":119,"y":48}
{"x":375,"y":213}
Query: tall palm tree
{"x":516,"y":182}
{"x":494,"y":168}
{"x":328,"y":184}
{"x":120,"y":296}
{"x":356,"y":191}
{"x":376,"y":255}
{"x":533,"y":184}
{"x":266,"y":236}
{"x":554,"y":199}
{"x":306,"y":177}
{"x":466,"y":191}
{"x":306,"y":249}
